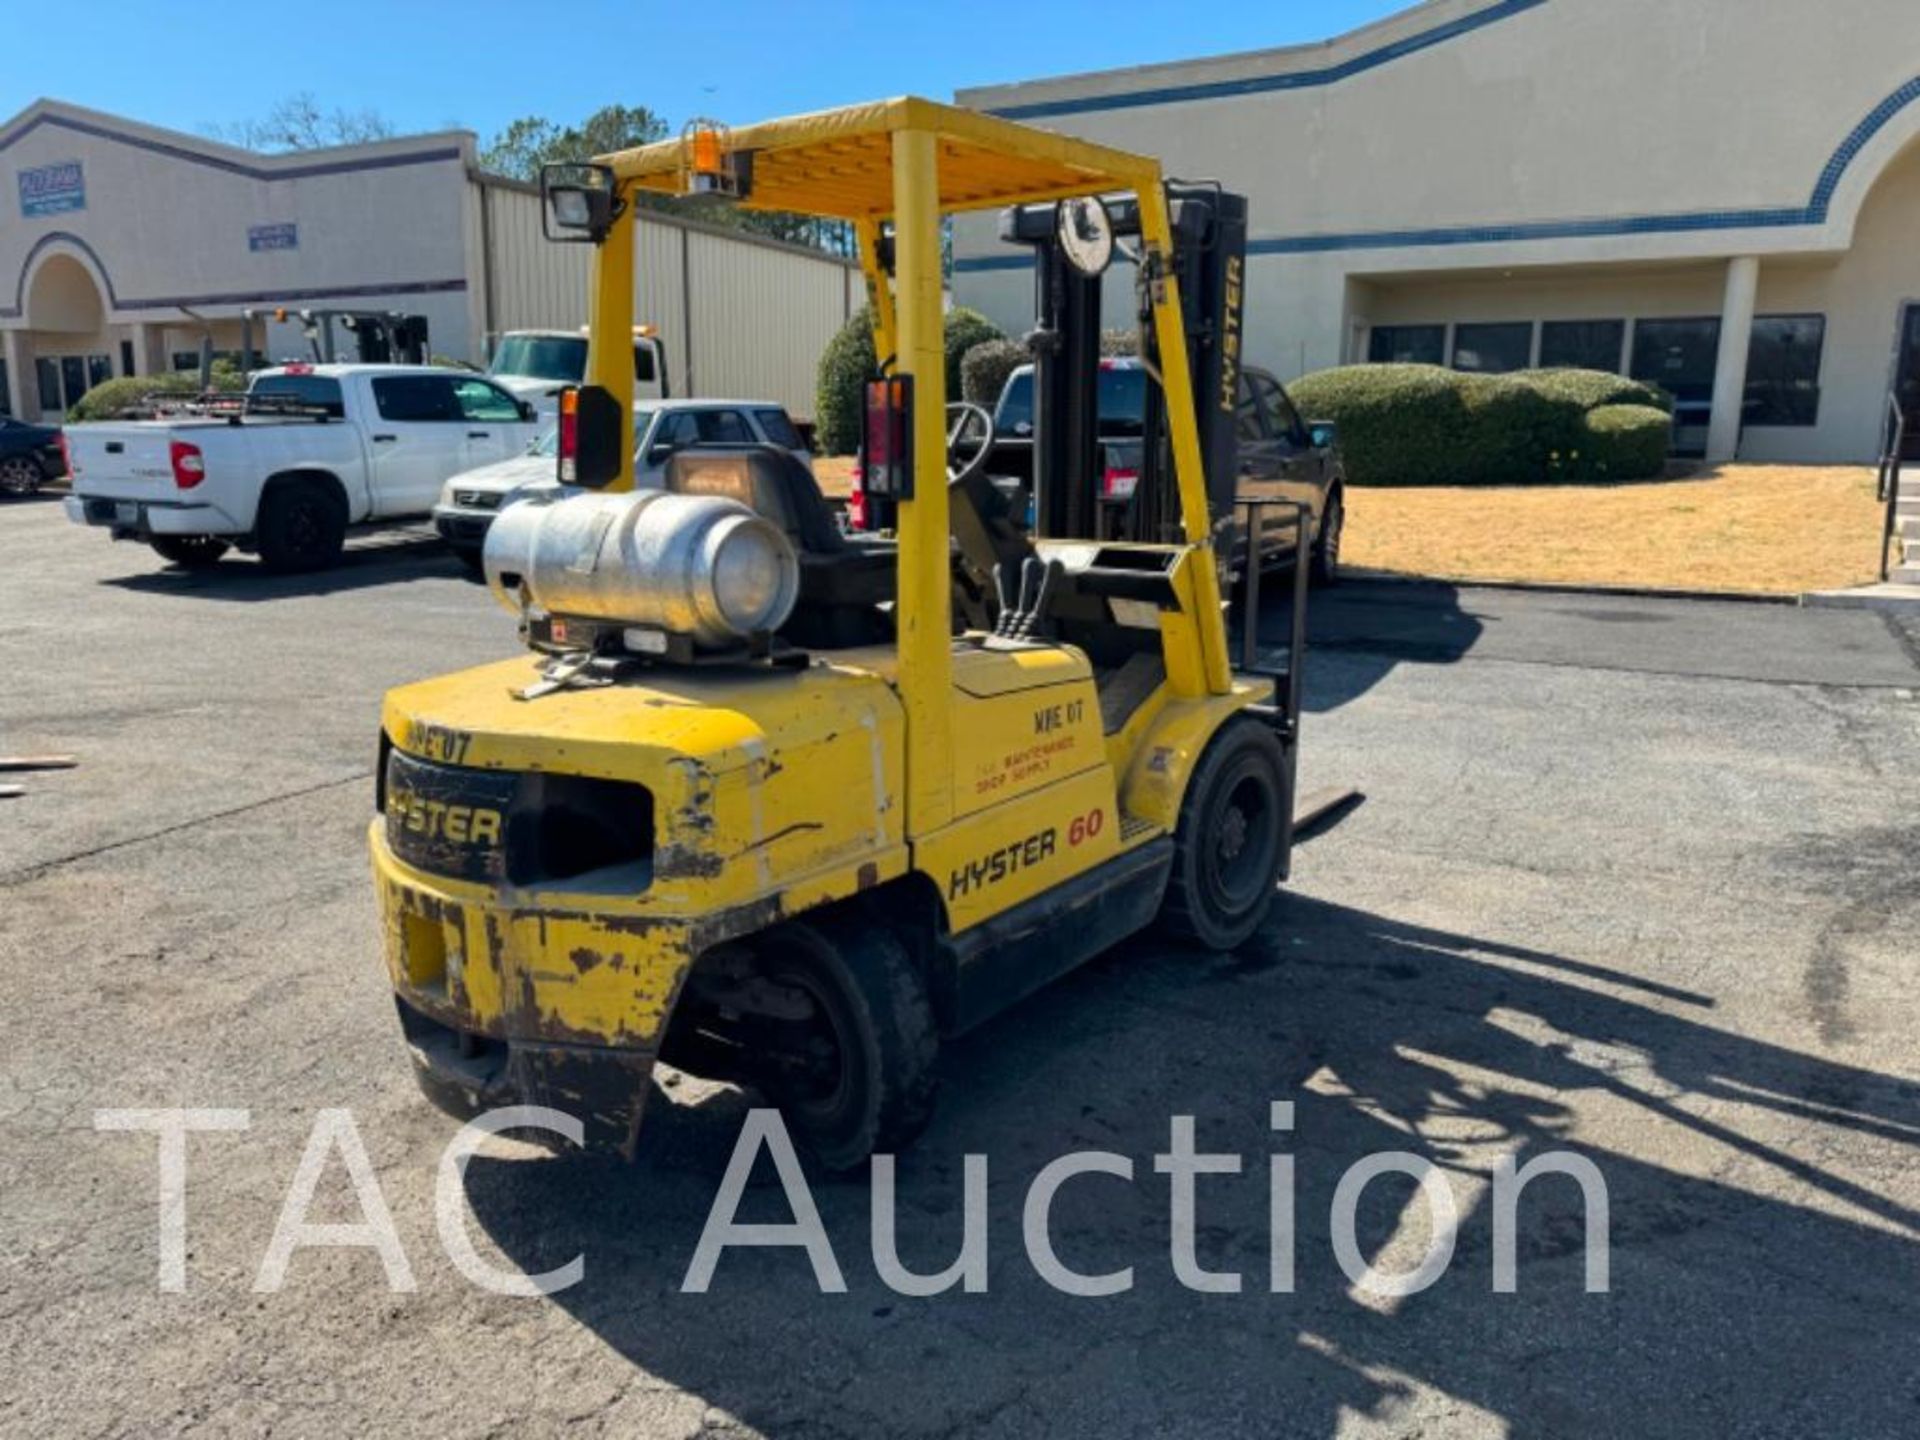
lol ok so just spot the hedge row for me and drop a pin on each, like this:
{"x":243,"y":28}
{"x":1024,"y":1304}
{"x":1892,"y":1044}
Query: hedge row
{"x":849,"y":360}
{"x":113,"y":398}
{"x":1424,"y":425}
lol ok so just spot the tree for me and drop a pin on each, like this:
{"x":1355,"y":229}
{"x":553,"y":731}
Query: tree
{"x":531,"y":141}
{"x":298,"y":123}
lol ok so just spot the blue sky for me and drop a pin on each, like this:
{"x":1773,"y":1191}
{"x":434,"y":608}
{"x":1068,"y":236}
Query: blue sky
{"x":477,"y":65}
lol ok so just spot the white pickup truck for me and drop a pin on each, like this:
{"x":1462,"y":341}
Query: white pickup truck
{"x":536,"y":365}
{"x":310,"y":450}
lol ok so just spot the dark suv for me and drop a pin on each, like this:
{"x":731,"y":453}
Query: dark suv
{"x":1282,"y":457}
{"x":29,"y":456}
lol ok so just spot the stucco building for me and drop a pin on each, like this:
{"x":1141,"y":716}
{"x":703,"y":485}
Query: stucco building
{"x":123,"y":245}
{"x":1720,"y":195}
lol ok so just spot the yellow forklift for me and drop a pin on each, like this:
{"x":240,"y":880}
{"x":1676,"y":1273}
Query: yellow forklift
{"x":784,"y":806}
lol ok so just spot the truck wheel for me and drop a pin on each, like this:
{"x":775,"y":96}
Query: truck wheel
{"x":1326,"y":555}
{"x":1226,"y":860}
{"x":301,"y":527}
{"x":19,"y":475}
{"x":189,"y":552}
{"x":856,"y":1075}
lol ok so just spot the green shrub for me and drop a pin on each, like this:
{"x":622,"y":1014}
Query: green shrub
{"x":1590,"y":389}
{"x":1424,"y":425}
{"x":984,"y":371}
{"x":112,"y":398}
{"x":965,"y":329}
{"x":845,"y":364}
{"x":1627,"y":442}
{"x":1399,"y":424}
{"x":849,"y":360}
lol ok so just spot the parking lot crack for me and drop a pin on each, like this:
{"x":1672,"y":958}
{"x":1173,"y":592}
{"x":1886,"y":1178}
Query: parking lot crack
{"x":34,"y":871}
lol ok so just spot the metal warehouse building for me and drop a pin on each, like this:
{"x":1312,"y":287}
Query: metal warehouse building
{"x":1719,"y":195}
{"x":123,"y":245}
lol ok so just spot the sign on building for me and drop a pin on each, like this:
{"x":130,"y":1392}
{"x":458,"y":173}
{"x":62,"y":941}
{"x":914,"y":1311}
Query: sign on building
{"x":283,"y":236}
{"x":52,"y":189}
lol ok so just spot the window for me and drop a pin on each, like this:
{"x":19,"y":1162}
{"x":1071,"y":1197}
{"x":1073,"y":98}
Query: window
{"x":702,"y":427}
{"x":47,"y":374}
{"x":1247,"y":422}
{"x":1408,"y":345}
{"x":311,"y":389}
{"x":1582,"y":344}
{"x":73,"y":374}
{"x":99,"y":369}
{"x":483,"y":402}
{"x":6,"y":392}
{"x":1014,"y":414}
{"x":724,"y":427}
{"x":1282,"y":418}
{"x":126,"y":357}
{"x":562,"y":358}
{"x":1783,"y":370}
{"x":779,"y":430}
{"x":1493,"y":349}
{"x":1679,"y":355}
{"x":642,"y":363}
{"x":417,"y":398}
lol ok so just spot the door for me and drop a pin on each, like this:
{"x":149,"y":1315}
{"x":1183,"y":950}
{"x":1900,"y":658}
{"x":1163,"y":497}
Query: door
{"x":1906,"y":383}
{"x":1277,"y":461}
{"x":494,"y":429}
{"x":416,"y":439}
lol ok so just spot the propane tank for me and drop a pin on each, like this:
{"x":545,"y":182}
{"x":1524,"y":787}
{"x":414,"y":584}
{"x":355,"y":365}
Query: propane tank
{"x":702,"y":566}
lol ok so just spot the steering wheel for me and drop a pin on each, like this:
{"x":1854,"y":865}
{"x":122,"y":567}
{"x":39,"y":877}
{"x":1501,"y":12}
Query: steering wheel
{"x":969,"y":441}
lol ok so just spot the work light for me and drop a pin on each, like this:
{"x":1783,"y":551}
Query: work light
{"x":580,"y":203}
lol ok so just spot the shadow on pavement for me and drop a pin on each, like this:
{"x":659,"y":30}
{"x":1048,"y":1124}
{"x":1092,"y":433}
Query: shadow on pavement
{"x":1374,"y":626}
{"x":1731,"y":1311}
{"x":386,"y":560}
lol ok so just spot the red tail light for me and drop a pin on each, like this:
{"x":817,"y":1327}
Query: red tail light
{"x":857,"y":501}
{"x":189,"y":468}
{"x":66,"y":456}
{"x":1117,"y":484}
{"x":569,"y":435}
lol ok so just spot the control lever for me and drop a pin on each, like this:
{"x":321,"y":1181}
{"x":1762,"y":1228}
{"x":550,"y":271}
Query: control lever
{"x":1020,"y":620}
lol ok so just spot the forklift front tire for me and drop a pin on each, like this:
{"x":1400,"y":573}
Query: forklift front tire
{"x":1226,"y":847}
{"x":860,"y":1079}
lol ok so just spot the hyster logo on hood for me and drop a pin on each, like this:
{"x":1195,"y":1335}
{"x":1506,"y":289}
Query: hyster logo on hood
{"x":997,"y":865}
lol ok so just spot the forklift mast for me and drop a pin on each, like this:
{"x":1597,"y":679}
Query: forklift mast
{"x":1209,"y":262}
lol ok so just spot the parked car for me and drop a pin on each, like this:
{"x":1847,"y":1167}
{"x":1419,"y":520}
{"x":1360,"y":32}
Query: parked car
{"x":286,"y":468}
{"x":29,"y":456}
{"x":1281,"y":457}
{"x":469,"y":501}
{"x":536,"y":365}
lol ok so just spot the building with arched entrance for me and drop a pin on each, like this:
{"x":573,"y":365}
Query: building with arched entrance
{"x":125,"y":248}
{"x":1720,"y":196}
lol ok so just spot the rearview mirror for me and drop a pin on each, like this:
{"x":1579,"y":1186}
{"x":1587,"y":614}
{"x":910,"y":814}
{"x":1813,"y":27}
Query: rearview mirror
{"x":527,"y":412}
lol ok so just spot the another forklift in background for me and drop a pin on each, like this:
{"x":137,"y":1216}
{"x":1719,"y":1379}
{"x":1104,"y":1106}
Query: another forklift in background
{"x":785,"y":807}
{"x":379,"y":337}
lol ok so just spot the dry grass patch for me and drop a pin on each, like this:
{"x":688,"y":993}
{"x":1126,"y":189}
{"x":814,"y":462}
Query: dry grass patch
{"x":1780,"y":529}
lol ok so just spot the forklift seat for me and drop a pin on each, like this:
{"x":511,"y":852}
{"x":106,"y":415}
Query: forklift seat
{"x":842,"y":582}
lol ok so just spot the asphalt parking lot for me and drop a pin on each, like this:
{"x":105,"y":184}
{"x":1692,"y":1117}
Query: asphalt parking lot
{"x":1633,"y":879}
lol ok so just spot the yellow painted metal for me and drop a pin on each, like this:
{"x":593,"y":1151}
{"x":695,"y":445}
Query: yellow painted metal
{"x":610,"y":335}
{"x":1156,"y":236}
{"x":879,"y":290}
{"x":923,"y":613}
{"x":987,"y":771}
{"x":837,"y":162}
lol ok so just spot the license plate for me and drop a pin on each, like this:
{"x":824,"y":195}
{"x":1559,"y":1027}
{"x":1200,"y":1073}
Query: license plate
{"x":126,"y":512}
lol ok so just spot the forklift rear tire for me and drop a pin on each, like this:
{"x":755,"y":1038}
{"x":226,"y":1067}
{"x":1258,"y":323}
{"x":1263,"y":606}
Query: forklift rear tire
{"x":189,"y":552}
{"x":868,"y":1083}
{"x":1226,"y":848}
{"x":302,"y":526}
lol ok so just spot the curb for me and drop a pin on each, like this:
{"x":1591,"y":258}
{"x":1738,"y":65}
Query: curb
{"x":1555,"y":587}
